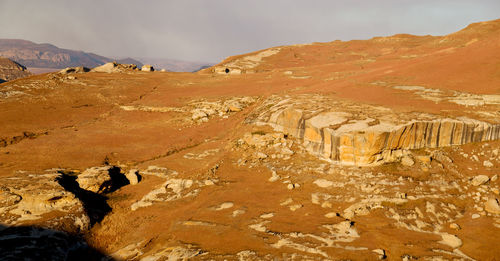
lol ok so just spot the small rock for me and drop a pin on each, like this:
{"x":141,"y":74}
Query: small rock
{"x":424,"y":159}
{"x":286,"y":202}
{"x":274,"y":178}
{"x":451,"y":240}
{"x":407,"y":161}
{"x":401,"y":195}
{"x":494,"y":178}
{"x":286,"y":151}
{"x":326,"y":204}
{"x":323,"y":183}
{"x":290,"y":186}
{"x":487,"y":164}
{"x":198,"y":114}
{"x":209,"y":182}
{"x":261,"y":155}
{"x":492,"y":206}
{"x":267,"y":215}
{"x":496,"y":191}
{"x":331,"y":215}
{"x":441,"y":156}
{"x":147,"y":68}
{"x":295,"y":207}
{"x":132,"y":176}
{"x":479,"y":180}
{"x":455,"y":226}
{"x":238,"y":212}
{"x":234,"y":107}
{"x":225,"y":205}
{"x":474,"y":216}
{"x":381,"y":253}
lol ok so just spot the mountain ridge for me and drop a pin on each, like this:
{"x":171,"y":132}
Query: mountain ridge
{"x":49,"y":56}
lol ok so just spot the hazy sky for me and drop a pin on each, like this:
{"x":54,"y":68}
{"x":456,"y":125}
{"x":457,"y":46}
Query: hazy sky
{"x":210,"y":30}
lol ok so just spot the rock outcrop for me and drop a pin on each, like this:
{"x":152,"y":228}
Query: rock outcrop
{"x":79,"y":69}
{"x":147,"y":68}
{"x":114,"y":67}
{"x":244,"y":64}
{"x":10,"y":70}
{"x":348,"y":137}
{"x":41,"y":197}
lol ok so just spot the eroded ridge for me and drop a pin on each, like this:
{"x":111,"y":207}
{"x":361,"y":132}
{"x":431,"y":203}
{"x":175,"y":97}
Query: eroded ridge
{"x":350,"y":134}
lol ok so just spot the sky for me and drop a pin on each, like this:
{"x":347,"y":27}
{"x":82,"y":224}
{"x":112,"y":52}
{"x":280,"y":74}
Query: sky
{"x":210,"y":30}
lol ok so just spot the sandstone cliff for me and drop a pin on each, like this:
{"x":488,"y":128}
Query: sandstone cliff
{"x":363,"y":135}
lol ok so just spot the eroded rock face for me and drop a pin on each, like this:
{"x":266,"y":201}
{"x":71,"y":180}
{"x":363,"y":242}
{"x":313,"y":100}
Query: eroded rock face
{"x":342,"y":134}
{"x":114,"y":67}
{"x":79,"y":69}
{"x":95,"y":179}
{"x":31,"y":197}
{"x":246,"y":64}
{"x":10,"y":70}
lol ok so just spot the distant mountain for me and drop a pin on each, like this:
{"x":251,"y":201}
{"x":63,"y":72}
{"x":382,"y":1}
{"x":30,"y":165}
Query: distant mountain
{"x":174,"y":65}
{"x":10,"y":70}
{"x":45,"y":55}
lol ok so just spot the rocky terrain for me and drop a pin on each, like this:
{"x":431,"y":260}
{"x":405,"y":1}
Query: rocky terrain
{"x":387,"y":148}
{"x":10,"y":70}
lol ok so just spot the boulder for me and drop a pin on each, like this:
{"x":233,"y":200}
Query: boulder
{"x":41,"y":197}
{"x":198,"y":115}
{"x":147,"y":68}
{"x":106,"y":68}
{"x":95,"y":179}
{"x":132,"y":176}
{"x":492,"y":206}
{"x":407,"y":161}
{"x":451,"y":240}
{"x":479,"y":180}
{"x":79,"y":69}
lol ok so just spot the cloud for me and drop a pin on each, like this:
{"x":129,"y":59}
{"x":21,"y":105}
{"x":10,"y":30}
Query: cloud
{"x":202,"y":30}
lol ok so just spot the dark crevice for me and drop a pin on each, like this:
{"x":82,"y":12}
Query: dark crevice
{"x":36,"y":243}
{"x":117,"y":181}
{"x":95,"y":205}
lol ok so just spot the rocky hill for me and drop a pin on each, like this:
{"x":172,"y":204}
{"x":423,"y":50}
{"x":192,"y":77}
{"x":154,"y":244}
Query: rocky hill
{"x":387,"y":148}
{"x":49,"y":56}
{"x":10,"y":70}
{"x":46,"y":56}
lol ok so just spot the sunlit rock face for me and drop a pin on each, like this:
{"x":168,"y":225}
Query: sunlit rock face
{"x":346,"y":137}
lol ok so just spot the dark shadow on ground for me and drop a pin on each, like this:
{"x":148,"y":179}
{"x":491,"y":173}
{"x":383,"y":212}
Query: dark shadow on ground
{"x":95,"y":205}
{"x":36,"y":243}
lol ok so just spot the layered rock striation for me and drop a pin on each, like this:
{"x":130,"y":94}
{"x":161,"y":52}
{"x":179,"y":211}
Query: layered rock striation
{"x":353,"y":138}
